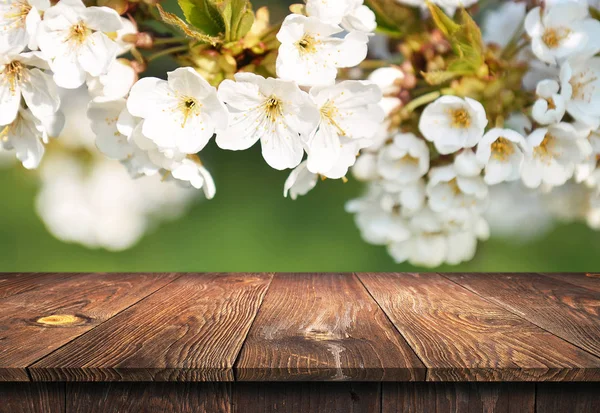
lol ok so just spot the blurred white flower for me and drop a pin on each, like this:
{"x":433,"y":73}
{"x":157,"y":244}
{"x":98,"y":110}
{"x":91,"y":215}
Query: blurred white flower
{"x":116,"y":83}
{"x":182,"y":113}
{"x":98,"y":205}
{"x":550,"y":106}
{"x":563,"y":30}
{"x":389,"y":80}
{"x":350,"y":14}
{"x":556,"y":150}
{"x":580,"y":83}
{"x":405,"y":160}
{"x":449,"y":191}
{"x":502,"y":151}
{"x":19,"y":20}
{"x":274,"y":111}
{"x":501,"y":24}
{"x":75,"y":40}
{"x":349,"y":115}
{"x":452,"y":123}
{"x":310,"y":54}
{"x":299,"y":182}
{"x":20,"y":76}
{"x":466,"y":163}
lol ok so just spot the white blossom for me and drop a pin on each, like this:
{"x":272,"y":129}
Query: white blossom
{"x":299,"y":182}
{"x":274,"y":111}
{"x":181,"y":113}
{"x":466,"y":163}
{"x":550,"y":106}
{"x":349,"y":115}
{"x":580,"y":82}
{"x":189,"y":172}
{"x":502,"y":23}
{"x":405,"y":160}
{"x":74,"y":38}
{"x":449,"y":191}
{"x":556,"y":150}
{"x":389,"y":80}
{"x":20,"y":76}
{"x":452,"y":123}
{"x":310,"y":54}
{"x":116,"y":83}
{"x":19,"y":20}
{"x":561,"y":31}
{"x":502,"y":151}
{"x":350,"y":14}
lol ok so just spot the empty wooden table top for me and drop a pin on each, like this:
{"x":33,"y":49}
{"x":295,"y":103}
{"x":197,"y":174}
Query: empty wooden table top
{"x":300,"y":327}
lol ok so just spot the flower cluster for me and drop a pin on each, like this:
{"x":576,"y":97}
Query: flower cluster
{"x":450,"y":122}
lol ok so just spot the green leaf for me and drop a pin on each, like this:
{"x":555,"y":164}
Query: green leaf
{"x":204,"y":15}
{"x":446,"y":25}
{"x":439,"y":76}
{"x":394,"y":19}
{"x":238,"y":18}
{"x":190,"y":32}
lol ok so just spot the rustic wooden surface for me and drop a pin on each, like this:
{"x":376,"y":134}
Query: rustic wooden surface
{"x":324,"y":327}
{"x":322,"y":343}
{"x":295,"y":327}
{"x":191,"y":330}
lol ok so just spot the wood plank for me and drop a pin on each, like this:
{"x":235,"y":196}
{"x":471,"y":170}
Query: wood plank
{"x":324,"y":327}
{"x":148,"y":397}
{"x":458,"y":397}
{"x":566,"y":310}
{"x":567,"y":397}
{"x":588,"y":280}
{"x":32,"y":397}
{"x":191,"y":330}
{"x":37,"y":322}
{"x":17,"y":283}
{"x":307,"y":397}
{"x":460,"y":336}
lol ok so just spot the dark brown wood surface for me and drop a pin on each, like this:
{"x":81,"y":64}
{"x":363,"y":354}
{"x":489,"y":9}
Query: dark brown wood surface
{"x":562,"y":308}
{"x":324,"y":327}
{"x":568,"y":397}
{"x":36,"y":322}
{"x":299,"y":327}
{"x":589,"y":280}
{"x":32,"y":397}
{"x":458,"y":397}
{"x":461,"y":336}
{"x":191,"y":330}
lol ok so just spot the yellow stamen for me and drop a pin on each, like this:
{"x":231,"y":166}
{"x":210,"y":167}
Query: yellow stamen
{"x":502,"y":148}
{"x":273,"y":107}
{"x":330,"y":112}
{"x":460,"y":118}
{"x":190,"y":107}
{"x":307,"y":45}
{"x":14,"y":72}
{"x":553,"y":37}
{"x":78,"y":33}
{"x":546,"y":147}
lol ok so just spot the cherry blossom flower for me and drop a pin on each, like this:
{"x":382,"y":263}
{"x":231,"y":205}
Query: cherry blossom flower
{"x":299,"y":182}
{"x":26,"y":135}
{"x":75,"y":40}
{"x":349,"y":116}
{"x":502,"y":23}
{"x":452,"y":123}
{"x":180,"y":113}
{"x":310,"y":54}
{"x":550,"y":106}
{"x":274,"y":111}
{"x":563,"y":30}
{"x":19,"y":20}
{"x":20,"y":76}
{"x":449,"y":191}
{"x":405,"y":160}
{"x":502,"y":151}
{"x":350,"y":14}
{"x":580,"y":83}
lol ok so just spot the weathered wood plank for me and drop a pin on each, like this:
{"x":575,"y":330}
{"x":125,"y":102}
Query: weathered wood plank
{"x":191,"y":330}
{"x":148,"y":398}
{"x":37,"y":322}
{"x":567,"y":397}
{"x":564,"y":309}
{"x":324,"y":327}
{"x":458,"y":397}
{"x":589,"y":280}
{"x":17,"y":283}
{"x":32,"y":397}
{"x":307,"y":397}
{"x":462,"y":337}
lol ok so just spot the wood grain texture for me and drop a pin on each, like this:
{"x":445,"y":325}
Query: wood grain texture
{"x":323,"y":327}
{"x":568,"y":397}
{"x":306,"y":397}
{"x":148,"y":398}
{"x":37,"y":322}
{"x":191,"y":330}
{"x":17,"y":283}
{"x":564,"y":309}
{"x":462,"y":337}
{"x":458,"y":397}
{"x":588,"y":280}
{"x":32,"y":397}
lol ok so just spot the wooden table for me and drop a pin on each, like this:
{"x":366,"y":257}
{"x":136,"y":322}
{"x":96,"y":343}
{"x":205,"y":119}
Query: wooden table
{"x":299,"y":343}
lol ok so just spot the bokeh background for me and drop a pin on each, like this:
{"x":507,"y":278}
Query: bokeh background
{"x":249,"y":226}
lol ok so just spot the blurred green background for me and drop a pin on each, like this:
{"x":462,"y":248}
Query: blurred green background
{"x":249,"y":226}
